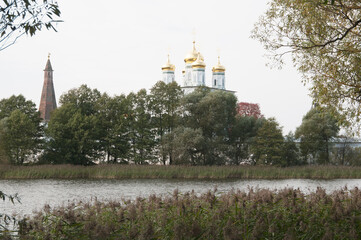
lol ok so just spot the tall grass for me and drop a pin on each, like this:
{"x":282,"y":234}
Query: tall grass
{"x":109,"y":171}
{"x":260,"y":214}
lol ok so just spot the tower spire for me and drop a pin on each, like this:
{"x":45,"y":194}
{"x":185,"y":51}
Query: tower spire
{"x":168,"y":72}
{"x":218,"y":75}
{"x":47,"y":101}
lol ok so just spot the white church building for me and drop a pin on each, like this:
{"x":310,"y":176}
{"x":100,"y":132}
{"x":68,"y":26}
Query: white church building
{"x":194,"y":73}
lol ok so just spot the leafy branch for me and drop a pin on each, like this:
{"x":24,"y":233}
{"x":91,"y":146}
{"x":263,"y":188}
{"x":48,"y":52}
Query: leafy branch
{"x":19,"y":17}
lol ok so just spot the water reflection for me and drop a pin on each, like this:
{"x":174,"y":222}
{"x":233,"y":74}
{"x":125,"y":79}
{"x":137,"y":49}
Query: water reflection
{"x":35,"y":193}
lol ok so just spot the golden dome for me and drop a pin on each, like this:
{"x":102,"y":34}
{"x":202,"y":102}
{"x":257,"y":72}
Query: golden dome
{"x":192,"y":55}
{"x":218,"y":67}
{"x":199,"y":63}
{"x":168,"y":66}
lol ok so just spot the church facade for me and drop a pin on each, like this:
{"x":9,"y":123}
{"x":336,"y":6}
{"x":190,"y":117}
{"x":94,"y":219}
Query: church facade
{"x":193,"y":74}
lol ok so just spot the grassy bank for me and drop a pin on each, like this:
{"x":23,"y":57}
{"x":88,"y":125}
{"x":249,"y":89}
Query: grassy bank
{"x":179,"y":172}
{"x":261,"y":214}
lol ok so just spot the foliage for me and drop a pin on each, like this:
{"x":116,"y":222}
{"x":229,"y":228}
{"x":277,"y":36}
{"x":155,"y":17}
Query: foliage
{"x":165,"y":102}
{"x":113,"y":127}
{"x":213,"y":113}
{"x":141,"y":133}
{"x":164,"y":126}
{"x":255,"y":214}
{"x":187,"y":145}
{"x":345,"y":153}
{"x":20,"y":137}
{"x":19,"y":17}
{"x":8,"y":105}
{"x":353,"y":157}
{"x":268,"y":143}
{"x":249,"y":109}
{"x":317,"y":130}
{"x":20,"y":130}
{"x":323,"y":38}
{"x":242,"y":135}
{"x":290,"y":152}
{"x":72,"y":131}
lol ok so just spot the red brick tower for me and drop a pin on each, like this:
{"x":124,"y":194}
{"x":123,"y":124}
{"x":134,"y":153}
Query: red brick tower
{"x":47,"y":101}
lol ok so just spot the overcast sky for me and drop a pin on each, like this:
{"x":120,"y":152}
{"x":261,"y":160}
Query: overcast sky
{"x":119,"y":46}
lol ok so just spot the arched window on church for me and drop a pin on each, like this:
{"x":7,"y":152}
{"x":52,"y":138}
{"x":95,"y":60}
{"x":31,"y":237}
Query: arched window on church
{"x":215,"y":82}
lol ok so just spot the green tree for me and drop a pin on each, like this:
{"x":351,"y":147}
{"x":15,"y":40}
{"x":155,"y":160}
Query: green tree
{"x":290,"y":151}
{"x":20,"y":130}
{"x":214,"y":114}
{"x":186,"y":144}
{"x":20,"y":137}
{"x":19,"y":17}
{"x":3,"y":157}
{"x":353,"y":156}
{"x":267,"y":144}
{"x":242,"y":134}
{"x":343,"y":150}
{"x":73,"y":130}
{"x":164,"y":103}
{"x":113,"y":125}
{"x":317,"y":130}
{"x":142,"y":134}
{"x":8,"y":105}
{"x":323,"y":39}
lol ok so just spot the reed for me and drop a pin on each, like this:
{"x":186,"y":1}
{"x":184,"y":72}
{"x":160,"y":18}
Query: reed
{"x":256,"y":214}
{"x":109,"y":171}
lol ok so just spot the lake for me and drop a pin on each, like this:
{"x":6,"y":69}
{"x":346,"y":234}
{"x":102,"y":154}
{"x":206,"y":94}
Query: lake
{"x":35,"y":194}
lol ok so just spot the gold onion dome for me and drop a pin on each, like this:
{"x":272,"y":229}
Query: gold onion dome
{"x":218,"y":67}
{"x":192,"y":55}
{"x":168,"y":66}
{"x":199,"y":63}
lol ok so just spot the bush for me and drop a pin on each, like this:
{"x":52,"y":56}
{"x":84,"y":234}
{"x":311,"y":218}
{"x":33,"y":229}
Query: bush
{"x":257,"y":214}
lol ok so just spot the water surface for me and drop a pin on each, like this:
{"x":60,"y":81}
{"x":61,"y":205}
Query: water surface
{"x":35,"y":194}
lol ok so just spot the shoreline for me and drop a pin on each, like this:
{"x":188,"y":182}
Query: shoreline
{"x":115,"y":171}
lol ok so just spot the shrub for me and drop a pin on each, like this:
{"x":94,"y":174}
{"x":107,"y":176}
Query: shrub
{"x":256,"y":214}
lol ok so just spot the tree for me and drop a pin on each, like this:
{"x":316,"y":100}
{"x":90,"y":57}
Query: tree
{"x":342,"y":151}
{"x":8,"y":105}
{"x":249,"y":109}
{"x":323,"y":38}
{"x":290,"y":152}
{"x":164,"y":103}
{"x":113,"y":127}
{"x":214,"y":114}
{"x":353,"y":156}
{"x":242,"y":134}
{"x":19,"y":17}
{"x":73,"y":130}
{"x":142,"y":134}
{"x":20,"y":130}
{"x":3,"y":157}
{"x":267,"y":144}
{"x":20,"y":137}
{"x":186,"y":145}
{"x":316,"y":132}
